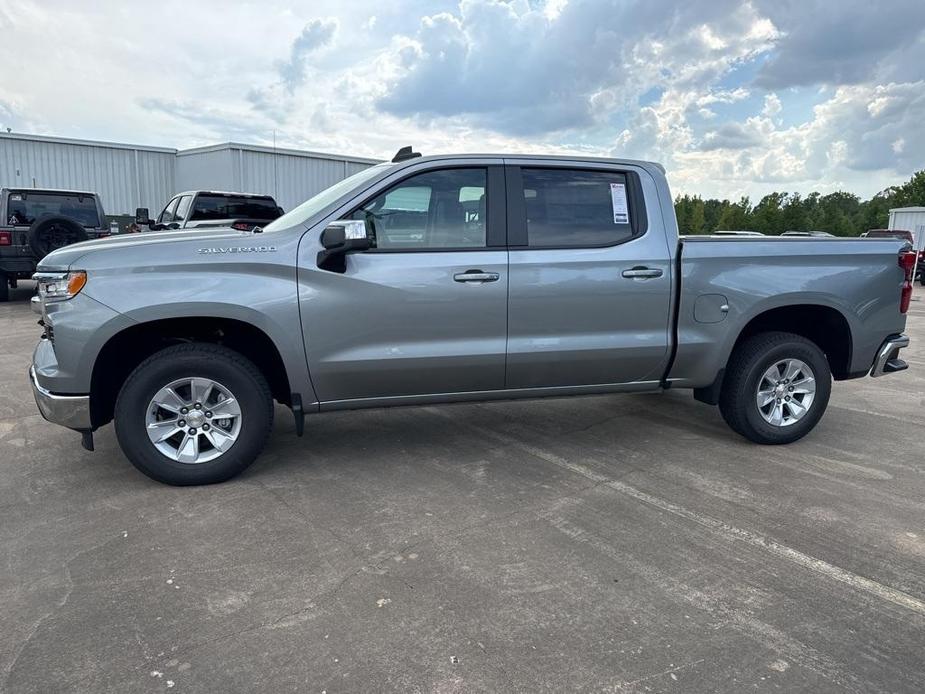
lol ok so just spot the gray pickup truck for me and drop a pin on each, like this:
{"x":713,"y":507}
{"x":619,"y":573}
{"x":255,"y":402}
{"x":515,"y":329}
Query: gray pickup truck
{"x":453,"y":278}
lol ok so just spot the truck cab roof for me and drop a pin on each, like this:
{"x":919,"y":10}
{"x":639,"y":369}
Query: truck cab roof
{"x":63,"y":191}
{"x":226,"y":193}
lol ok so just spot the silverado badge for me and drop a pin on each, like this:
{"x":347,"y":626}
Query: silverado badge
{"x":240,"y":249}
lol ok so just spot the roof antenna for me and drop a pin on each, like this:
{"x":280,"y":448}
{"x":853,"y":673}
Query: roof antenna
{"x":404,"y":154}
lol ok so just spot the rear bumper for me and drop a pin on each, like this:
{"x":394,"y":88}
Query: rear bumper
{"x":17,"y":265}
{"x":71,"y":411}
{"x":887,"y":360}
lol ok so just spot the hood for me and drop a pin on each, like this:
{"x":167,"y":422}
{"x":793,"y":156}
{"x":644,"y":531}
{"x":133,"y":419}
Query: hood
{"x":65,"y":258}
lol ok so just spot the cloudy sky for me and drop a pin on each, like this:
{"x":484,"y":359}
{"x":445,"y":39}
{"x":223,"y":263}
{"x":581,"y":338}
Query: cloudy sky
{"x":733,"y":97}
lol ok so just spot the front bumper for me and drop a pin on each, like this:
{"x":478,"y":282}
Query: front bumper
{"x":888,"y":360}
{"x":71,"y":411}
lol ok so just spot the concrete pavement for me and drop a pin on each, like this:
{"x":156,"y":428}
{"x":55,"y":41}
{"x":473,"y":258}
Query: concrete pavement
{"x":609,"y":543}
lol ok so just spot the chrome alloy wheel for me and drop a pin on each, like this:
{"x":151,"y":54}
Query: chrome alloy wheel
{"x":193,"y":420}
{"x":786,"y":392}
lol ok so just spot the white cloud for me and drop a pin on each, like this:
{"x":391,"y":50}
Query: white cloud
{"x":644,"y":78}
{"x":772,"y":106}
{"x":316,"y":35}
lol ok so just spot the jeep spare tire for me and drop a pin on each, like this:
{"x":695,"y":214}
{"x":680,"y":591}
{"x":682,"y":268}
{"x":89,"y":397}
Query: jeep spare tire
{"x":52,"y":232}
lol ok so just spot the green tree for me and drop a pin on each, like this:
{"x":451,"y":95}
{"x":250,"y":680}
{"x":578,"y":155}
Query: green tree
{"x":735,"y":216}
{"x":793,"y":214}
{"x":767,"y":217}
{"x":712,"y":211}
{"x":697,"y":220}
{"x":682,"y":212}
{"x":840,"y":213}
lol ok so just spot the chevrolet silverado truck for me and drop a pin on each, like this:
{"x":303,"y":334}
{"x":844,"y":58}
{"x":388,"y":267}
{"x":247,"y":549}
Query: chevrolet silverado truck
{"x":36,"y":221}
{"x":204,"y":209}
{"x":454,"y":278}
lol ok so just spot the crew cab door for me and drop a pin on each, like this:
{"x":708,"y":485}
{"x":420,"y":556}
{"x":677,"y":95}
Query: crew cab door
{"x":590,"y":276}
{"x":424,"y":311}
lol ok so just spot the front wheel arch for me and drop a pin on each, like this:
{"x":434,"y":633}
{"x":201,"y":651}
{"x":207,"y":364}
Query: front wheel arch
{"x":128,"y":348}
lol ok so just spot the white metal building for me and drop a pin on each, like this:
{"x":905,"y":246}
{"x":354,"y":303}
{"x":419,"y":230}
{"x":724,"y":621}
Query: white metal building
{"x":129,"y":176}
{"x":291,"y":176}
{"x":910,"y":219}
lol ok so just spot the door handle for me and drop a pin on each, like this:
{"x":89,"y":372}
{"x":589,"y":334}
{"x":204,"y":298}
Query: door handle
{"x":476,"y":276}
{"x":642,"y":272}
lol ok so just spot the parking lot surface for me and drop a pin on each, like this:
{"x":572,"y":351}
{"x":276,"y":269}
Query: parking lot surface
{"x":608,"y":543}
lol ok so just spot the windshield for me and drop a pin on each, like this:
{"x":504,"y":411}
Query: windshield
{"x":314,"y":205}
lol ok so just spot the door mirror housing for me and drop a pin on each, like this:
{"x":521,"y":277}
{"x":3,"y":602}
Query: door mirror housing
{"x":346,"y":235}
{"x":340,"y":238}
{"x":143,"y":217}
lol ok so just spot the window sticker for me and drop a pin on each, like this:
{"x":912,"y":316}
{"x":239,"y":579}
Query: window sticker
{"x":15,"y":196}
{"x":621,"y":212}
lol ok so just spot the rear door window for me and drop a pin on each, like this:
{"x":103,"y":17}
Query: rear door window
{"x":574,"y":208}
{"x":23,"y":208}
{"x":215,"y":207}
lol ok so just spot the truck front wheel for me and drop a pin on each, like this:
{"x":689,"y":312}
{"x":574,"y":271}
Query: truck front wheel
{"x":194,"y":414}
{"x":776,"y":388}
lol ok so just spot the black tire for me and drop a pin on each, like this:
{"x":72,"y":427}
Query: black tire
{"x":201,"y":360}
{"x":4,"y":287}
{"x":52,"y":232}
{"x":922,"y":278}
{"x":746,"y":367}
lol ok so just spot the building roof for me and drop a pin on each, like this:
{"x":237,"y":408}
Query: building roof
{"x":193,"y":150}
{"x":276,"y":150}
{"x":91,"y":143}
{"x":908,"y":209}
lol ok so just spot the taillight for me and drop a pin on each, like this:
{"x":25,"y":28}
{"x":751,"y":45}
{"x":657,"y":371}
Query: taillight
{"x":907,"y":263}
{"x":6,"y":238}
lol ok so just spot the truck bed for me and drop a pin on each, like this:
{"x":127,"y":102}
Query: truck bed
{"x":858,"y":278}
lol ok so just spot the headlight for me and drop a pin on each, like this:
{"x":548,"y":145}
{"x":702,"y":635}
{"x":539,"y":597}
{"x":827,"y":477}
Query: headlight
{"x":60,"y":286}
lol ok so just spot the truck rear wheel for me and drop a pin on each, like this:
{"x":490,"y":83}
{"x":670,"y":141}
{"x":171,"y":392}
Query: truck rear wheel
{"x":194,"y":414}
{"x":776,"y":388}
{"x":4,"y":287}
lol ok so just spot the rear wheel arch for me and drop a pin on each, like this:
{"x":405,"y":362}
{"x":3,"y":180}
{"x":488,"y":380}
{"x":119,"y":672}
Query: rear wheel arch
{"x":823,"y":325}
{"x":131,"y":346}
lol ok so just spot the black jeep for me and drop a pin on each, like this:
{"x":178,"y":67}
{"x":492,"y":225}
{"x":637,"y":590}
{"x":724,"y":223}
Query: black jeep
{"x":36,"y":221}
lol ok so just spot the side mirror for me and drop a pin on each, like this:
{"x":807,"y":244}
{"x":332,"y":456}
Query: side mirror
{"x":340,"y":238}
{"x":142,"y":217}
